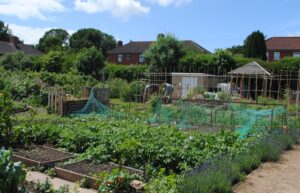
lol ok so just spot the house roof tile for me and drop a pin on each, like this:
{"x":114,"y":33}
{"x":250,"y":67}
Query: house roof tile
{"x":7,"y":48}
{"x":283,"y":43}
{"x":134,"y":47}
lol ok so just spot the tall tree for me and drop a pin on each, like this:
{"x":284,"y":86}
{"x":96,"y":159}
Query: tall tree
{"x":86,"y":38}
{"x":237,"y":49}
{"x":90,"y":61}
{"x":4,"y":31}
{"x":164,"y":53}
{"x":53,"y":40}
{"x":255,"y":46}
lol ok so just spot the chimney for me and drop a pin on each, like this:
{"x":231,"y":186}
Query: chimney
{"x":14,"y":39}
{"x":120,"y":44}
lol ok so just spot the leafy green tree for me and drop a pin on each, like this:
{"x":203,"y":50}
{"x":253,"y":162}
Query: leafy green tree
{"x":223,"y":62}
{"x":237,"y":50}
{"x":52,"y":62}
{"x":193,"y":61}
{"x":164,"y":53}
{"x":90,"y":61}
{"x":108,"y":43}
{"x":16,"y":61}
{"x":86,"y":38}
{"x":53,"y":39}
{"x":4,"y":31}
{"x":255,"y":46}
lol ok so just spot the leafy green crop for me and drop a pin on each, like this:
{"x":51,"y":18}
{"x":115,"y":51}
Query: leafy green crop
{"x":11,"y":174}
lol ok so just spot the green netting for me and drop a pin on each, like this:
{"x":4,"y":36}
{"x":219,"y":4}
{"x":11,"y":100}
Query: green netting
{"x":93,"y":106}
{"x":243,"y":118}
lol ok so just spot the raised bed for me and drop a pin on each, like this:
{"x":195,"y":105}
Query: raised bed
{"x":40,"y":156}
{"x":84,"y":169}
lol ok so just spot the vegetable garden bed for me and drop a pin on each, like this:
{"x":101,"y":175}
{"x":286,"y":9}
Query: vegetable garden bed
{"x":85,"y":170}
{"x":40,"y":156}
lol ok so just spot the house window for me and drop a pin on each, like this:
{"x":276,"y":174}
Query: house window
{"x":120,"y":58}
{"x":276,"y":56}
{"x":141,"y":58}
{"x":296,"y":54}
{"x":128,"y":57}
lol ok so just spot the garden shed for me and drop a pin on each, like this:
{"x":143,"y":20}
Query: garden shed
{"x":252,"y":80}
{"x":184,"y":82}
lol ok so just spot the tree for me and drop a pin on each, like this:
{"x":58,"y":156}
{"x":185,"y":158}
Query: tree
{"x":164,"y":53}
{"x":53,"y":39}
{"x":90,"y":61}
{"x":4,"y":31}
{"x":255,"y":46}
{"x":223,"y":61}
{"x":237,"y":50}
{"x":86,"y":38}
{"x":52,"y":62}
{"x":108,"y":43}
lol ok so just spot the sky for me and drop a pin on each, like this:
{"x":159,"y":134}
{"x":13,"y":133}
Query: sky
{"x":211,"y":23}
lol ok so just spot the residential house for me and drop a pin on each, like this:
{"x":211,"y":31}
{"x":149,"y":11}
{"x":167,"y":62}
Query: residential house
{"x":15,"y":45}
{"x":132,"y":53}
{"x":280,"y":47}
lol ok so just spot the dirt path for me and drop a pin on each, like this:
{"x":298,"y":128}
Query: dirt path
{"x":279,"y":177}
{"x":33,"y":176}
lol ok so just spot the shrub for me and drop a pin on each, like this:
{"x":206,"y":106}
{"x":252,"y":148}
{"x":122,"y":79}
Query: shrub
{"x":90,"y":61}
{"x":129,"y":73}
{"x":132,"y":91}
{"x":218,"y":175}
{"x":12,"y":174}
{"x":116,"y":85}
{"x":6,"y":110}
{"x":16,"y":61}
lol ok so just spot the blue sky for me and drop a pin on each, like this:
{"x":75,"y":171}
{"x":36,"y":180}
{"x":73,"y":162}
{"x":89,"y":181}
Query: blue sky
{"x":211,"y":23}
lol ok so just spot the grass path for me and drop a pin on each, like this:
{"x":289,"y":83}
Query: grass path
{"x":279,"y":177}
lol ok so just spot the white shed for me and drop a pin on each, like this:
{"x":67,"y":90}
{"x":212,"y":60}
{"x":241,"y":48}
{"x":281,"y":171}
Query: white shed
{"x":184,"y":82}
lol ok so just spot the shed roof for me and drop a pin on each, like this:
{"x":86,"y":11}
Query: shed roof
{"x":192,"y":74}
{"x":252,"y":68}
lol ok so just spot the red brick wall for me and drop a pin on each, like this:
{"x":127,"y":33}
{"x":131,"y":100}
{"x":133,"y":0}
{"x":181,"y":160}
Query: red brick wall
{"x":282,"y":54}
{"x":134,"y":59}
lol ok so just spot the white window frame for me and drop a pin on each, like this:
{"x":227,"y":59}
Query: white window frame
{"x":128,"y":56}
{"x":276,"y":56}
{"x":141,"y":58}
{"x":120,"y":58}
{"x":296,"y":54}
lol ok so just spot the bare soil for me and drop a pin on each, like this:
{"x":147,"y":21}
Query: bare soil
{"x":41,"y":154}
{"x":278,"y":177}
{"x":87,"y":168}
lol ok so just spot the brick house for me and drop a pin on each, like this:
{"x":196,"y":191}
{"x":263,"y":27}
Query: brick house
{"x":132,"y":53}
{"x":14,"y":45}
{"x":280,"y":47}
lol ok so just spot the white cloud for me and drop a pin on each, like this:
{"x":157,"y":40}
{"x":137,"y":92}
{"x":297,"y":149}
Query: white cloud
{"x":297,"y":34}
{"x":25,"y":9}
{"x":123,"y":9}
{"x":171,"y":2}
{"x":30,"y":35}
